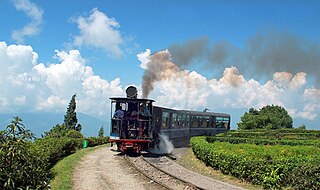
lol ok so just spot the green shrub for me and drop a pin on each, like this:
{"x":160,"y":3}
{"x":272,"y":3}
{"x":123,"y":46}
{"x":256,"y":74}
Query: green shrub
{"x":74,"y":134}
{"x":95,"y":141}
{"x":53,"y":149}
{"x":57,"y":131}
{"x":269,"y":166}
{"x":236,"y":140}
{"x":307,"y":176}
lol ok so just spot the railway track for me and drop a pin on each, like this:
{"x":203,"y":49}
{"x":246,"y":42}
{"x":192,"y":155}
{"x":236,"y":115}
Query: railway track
{"x":154,"y":173}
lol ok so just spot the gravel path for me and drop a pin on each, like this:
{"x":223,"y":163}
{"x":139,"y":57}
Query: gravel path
{"x":161,"y":177}
{"x":194,"y":178}
{"x":104,"y":169}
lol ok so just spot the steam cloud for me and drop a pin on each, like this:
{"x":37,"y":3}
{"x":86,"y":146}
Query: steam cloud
{"x":164,"y":147}
{"x":159,"y":67}
{"x":263,"y":55}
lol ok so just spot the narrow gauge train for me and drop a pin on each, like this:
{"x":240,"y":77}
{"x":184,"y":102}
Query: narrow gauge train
{"x":136,"y":124}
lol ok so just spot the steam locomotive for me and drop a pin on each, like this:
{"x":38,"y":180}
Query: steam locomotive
{"x":136,"y":125}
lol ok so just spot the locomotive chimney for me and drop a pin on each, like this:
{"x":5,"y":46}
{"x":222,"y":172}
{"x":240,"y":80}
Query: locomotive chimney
{"x":132,"y":92}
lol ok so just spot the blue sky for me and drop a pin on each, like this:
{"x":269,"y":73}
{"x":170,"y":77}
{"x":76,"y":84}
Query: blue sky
{"x":248,"y":48}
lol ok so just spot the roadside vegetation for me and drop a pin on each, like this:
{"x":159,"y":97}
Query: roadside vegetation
{"x":191,"y":162}
{"x":271,"y":153}
{"x":26,"y":162}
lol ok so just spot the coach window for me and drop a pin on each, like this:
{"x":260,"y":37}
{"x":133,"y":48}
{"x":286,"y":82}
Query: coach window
{"x":194,"y":121}
{"x":207,"y":121}
{"x":165,"y":120}
{"x":174,"y":120}
{"x":222,"y":122}
{"x":180,"y":119}
{"x":187,"y":120}
{"x":183,"y":120}
{"x":178,"y":123}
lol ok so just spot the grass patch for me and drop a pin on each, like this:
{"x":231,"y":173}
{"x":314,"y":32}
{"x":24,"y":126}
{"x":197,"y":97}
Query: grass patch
{"x":191,"y":162}
{"x":63,"y":170}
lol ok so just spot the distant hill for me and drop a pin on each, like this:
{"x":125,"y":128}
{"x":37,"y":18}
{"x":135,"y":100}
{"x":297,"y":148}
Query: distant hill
{"x":38,"y":123}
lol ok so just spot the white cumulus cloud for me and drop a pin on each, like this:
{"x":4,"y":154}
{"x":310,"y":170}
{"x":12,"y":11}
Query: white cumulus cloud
{"x":98,"y":30}
{"x":185,"y":89}
{"x":27,"y":85}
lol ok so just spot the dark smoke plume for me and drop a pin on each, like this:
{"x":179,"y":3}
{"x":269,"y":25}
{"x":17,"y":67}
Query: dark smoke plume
{"x":185,"y":54}
{"x":263,"y":55}
{"x":159,"y":68}
{"x":283,"y":52}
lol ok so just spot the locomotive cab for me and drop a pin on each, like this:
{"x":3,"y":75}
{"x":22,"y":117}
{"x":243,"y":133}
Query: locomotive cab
{"x":131,"y":122}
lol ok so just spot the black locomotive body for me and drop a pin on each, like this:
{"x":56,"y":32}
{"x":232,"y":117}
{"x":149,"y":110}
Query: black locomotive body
{"x":137,"y":125}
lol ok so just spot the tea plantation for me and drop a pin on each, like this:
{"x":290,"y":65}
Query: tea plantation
{"x":275,"y":159}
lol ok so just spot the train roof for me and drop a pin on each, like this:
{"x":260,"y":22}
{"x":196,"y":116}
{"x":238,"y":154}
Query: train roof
{"x":201,"y":113}
{"x":131,"y":99}
{"x":209,"y":113}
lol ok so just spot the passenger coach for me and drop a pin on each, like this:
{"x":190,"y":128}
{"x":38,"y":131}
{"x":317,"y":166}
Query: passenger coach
{"x":180,"y":125}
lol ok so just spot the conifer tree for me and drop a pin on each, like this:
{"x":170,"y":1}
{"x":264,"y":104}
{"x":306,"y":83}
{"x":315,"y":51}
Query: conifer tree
{"x":101,"y":132}
{"x":70,"y":119}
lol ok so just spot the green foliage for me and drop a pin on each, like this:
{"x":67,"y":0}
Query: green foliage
{"x":95,"y":141}
{"x":237,"y":140}
{"x":53,"y":149}
{"x":291,"y":137}
{"x":268,"y":117}
{"x":78,"y":127}
{"x":302,"y":127}
{"x":57,"y":131}
{"x":16,"y":130}
{"x":70,"y":119}
{"x":20,"y":168}
{"x":273,"y":167}
{"x":25,"y":164}
{"x":74,"y":134}
{"x":307,"y":176}
{"x":101,"y":132}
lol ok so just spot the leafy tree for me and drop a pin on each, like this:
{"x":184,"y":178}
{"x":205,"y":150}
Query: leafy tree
{"x":74,"y":134}
{"x":70,"y":119}
{"x":16,"y":130}
{"x":57,"y":131}
{"x":303,"y":126}
{"x":268,"y":117}
{"x":101,"y":131}
{"x":19,"y":168}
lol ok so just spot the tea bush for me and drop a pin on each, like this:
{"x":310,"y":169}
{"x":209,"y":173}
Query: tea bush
{"x":236,"y":140}
{"x":272,"y":167}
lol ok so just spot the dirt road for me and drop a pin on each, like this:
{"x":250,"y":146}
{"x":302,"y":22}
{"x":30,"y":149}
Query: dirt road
{"x":105,"y":169}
